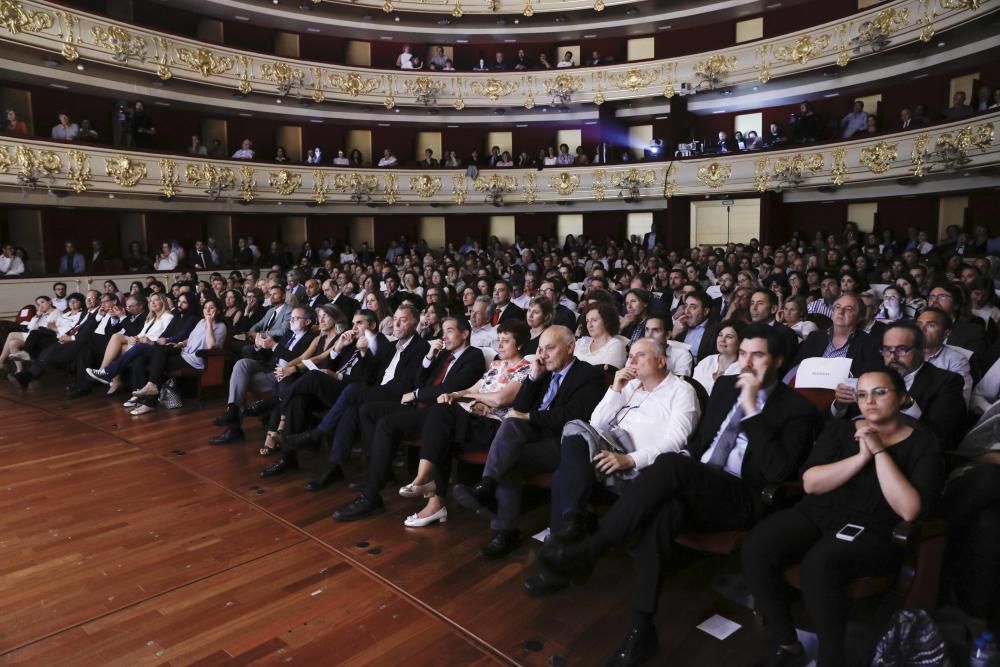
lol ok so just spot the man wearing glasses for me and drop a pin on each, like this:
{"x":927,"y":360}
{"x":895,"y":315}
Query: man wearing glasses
{"x":646,"y":412}
{"x":844,"y":339}
{"x":966,"y":332}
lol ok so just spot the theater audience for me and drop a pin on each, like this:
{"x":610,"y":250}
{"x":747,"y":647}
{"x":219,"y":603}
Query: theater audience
{"x":726,"y":360}
{"x":602,"y":346}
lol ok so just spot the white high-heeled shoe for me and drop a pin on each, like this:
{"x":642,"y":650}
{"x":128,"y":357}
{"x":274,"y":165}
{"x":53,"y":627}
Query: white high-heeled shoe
{"x":418,"y":490}
{"x":414,"y":521}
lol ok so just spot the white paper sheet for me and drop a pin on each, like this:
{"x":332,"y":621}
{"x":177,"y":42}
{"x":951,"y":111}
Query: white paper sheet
{"x":309,"y":364}
{"x":541,"y":536}
{"x":820,"y":373}
{"x":719,"y":626}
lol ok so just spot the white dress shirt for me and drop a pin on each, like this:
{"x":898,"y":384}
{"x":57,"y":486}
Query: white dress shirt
{"x":988,"y":390}
{"x":484,"y":337}
{"x":612,"y":353}
{"x":658,"y":421}
{"x":11,"y":266}
{"x":706,"y":369}
{"x":680,"y":361}
{"x":390,"y":371}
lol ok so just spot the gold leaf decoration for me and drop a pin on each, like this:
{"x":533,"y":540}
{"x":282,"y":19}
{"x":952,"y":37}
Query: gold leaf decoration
{"x":564,"y":183}
{"x":169,"y":181}
{"x":669,"y":182}
{"x":423,"y":86}
{"x":122,"y":44}
{"x":210,"y":176}
{"x":715,"y":68}
{"x":760,"y":174}
{"x":204,"y":61}
{"x":67,"y":32}
{"x":125,"y":171}
{"x":355,"y":181}
{"x":391,"y":189}
{"x":246,"y":74}
{"x":425,"y":186}
{"x":919,"y":155}
{"x":79,"y":171}
{"x":633,"y":176}
{"x":284,"y":182}
{"x":598,"y":186}
{"x":715,"y":174}
{"x":839,"y":169}
{"x":970,"y":5}
{"x":878,"y":158}
{"x":282,"y":75}
{"x":493,"y":89}
{"x":320,"y":188}
{"x":248,"y":183}
{"x":803,"y":50}
{"x":633,"y":79}
{"x":459,"y":189}
{"x":563,"y":83}
{"x":495,"y":182}
{"x":792,"y":169}
{"x":530,"y":188}
{"x":981,"y":137}
{"x":763,"y":65}
{"x":353,"y":84}
{"x":17,"y":19}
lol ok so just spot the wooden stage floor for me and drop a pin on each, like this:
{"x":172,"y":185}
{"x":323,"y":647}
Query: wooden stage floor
{"x":131,"y":541}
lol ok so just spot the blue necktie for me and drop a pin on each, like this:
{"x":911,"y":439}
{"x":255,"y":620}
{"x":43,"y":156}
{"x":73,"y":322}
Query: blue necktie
{"x":727,"y":438}
{"x":551,"y":392}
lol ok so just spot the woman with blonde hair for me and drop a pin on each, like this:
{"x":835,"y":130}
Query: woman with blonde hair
{"x":157,"y":319}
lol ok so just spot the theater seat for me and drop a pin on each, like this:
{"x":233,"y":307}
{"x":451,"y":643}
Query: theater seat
{"x":214,"y":373}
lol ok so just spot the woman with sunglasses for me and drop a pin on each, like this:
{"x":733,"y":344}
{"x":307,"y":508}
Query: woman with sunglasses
{"x":862,"y":477}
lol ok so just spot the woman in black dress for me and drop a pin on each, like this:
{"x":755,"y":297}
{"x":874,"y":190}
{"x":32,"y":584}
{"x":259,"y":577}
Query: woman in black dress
{"x":871,"y":472}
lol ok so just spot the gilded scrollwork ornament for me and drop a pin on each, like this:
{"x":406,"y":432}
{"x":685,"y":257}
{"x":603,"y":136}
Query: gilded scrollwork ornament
{"x":669,"y":181}
{"x":633,"y":79}
{"x":493,"y":89}
{"x":354,"y":84}
{"x":715,"y":175}
{"x":531,"y":188}
{"x":79,"y":170}
{"x":245,"y":75}
{"x":839,"y":169}
{"x":425,"y":186}
{"x":878,"y":158}
{"x":763,"y":65}
{"x":919,"y":156}
{"x":67,"y":33}
{"x":248,"y":183}
{"x":355,"y":181}
{"x":564,"y":183}
{"x":120,"y":42}
{"x":286,"y":78}
{"x":761,"y":174}
{"x":320,"y":188}
{"x":284,"y":182}
{"x":390,"y":189}
{"x":926,"y":21}
{"x":792,"y":170}
{"x":125,"y":171}
{"x":598,"y":185}
{"x":17,"y":19}
{"x":714,"y":69}
{"x":804,"y":49}
{"x":459,"y":189}
{"x":163,"y":59}
{"x":204,"y":61}
{"x":969,"y":5}
{"x":169,"y":179}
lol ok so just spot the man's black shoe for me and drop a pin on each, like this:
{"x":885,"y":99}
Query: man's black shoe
{"x":230,"y":417}
{"x":23,"y":379}
{"x":231,"y":434}
{"x":502,"y":543}
{"x":306,"y":440}
{"x":639,"y":646}
{"x":359,"y":508}
{"x":280,"y":467}
{"x":481,"y":498}
{"x":571,"y":560}
{"x":260,"y":407}
{"x":574,"y":528}
{"x":329,"y":476}
{"x":544,"y":583}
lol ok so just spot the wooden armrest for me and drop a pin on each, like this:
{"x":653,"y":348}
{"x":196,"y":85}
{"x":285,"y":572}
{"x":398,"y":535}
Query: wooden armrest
{"x":780,"y":495}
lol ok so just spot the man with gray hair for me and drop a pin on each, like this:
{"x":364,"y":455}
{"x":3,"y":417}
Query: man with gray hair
{"x":559,"y":389}
{"x":646,"y":412}
{"x":484,"y":335}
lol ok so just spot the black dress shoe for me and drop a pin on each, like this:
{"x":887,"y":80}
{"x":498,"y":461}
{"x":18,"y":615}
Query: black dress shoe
{"x":639,"y":646}
{"x":359,"y":487}
{"x":544,"y":583}
{"x":280,"y":467}
{"x":231,"y":434}
{"x":361,"y":507}
{"x":23,"y":379}
{"x":260,"y":407}
{"x":481,"y":498}
{"x":571,"y":560}
{"x":231,"y":417}
{"x":306,"y":440}
{"x":502,"y":543}
{"x":574,"y":528}
{"x":329,"y":476}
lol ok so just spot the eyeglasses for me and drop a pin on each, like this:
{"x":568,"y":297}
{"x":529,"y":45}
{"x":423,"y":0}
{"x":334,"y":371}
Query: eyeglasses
{"x":939,"y":297}
{"x":621,"y":414}
{"x":877,"y":392}
{"x":888,"y":350}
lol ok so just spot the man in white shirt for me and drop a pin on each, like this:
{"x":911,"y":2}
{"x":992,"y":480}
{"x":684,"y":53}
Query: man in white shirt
{"x":854,"y":122}
{"x":341,"y":160}
{"x":245,"y":152}
{"x":936,"y":325}
{"x":10,"y":265}
{"x":484,"y":335}
{"x":59,"y":298}
{"x":387,"y":159}
{"x":680,"y":361}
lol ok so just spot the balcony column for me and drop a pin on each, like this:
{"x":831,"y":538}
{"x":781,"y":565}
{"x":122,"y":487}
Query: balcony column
{"x":774,"y":219}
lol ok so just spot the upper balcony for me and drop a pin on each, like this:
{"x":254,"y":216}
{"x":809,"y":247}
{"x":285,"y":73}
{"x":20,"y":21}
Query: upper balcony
{"x":80,"y":36}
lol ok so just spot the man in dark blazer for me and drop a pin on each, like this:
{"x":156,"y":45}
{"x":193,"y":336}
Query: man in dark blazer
{"x":256,"y":372}
{"x":64,"y":352}
{"x":394,"y":375}
{"x":552,"y":289}
{"x":559,"y":389}
{"x":861,"y":349}
{"x":938,"y":398}
{"x":91,"y":345}
{"x":450,"y":365}
{"x":503,"y":309}
{"x":347,"y":305}
{"x":358,"y":352}
{"x":763,"y":308}
{"x":699,"y":328}
{"x":650,"y":238}
{"x":969,"y":333}
{"x":755,"y":432}
{"x":314,"y":294}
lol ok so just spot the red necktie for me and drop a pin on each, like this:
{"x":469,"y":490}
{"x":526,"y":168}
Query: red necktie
{"x":444,"y":369}
{"x":496,"y":317}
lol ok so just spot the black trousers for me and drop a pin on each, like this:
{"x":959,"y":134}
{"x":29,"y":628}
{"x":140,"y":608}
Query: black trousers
{"x":674,"y":493}
{"x":89,"y":354}
{"x":449,"y":428}
{"x":827,"y":565}
{"x":384,"y":425}
{"x":972,"y":507}
{"x":313,"y":391}
{"x":60,"y":355}
{"x":38,"y":340}
{"x":154,"y":362}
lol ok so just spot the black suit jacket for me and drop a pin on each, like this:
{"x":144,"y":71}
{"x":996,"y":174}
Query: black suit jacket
{"x":789,"y":343}
{"x":863,"y":351}
{"x":645,"y":240}
{"x":971,"y":334}
{"x":282,"y":349}
{"x":942,"y":404}
{"x":511,"y":311}
{"x":347,"y":305}
{"x":566,"y":318}
{"x":580,"y":392}
{"x":405,"y":377}
{"x":316,"y":301}
{"x":707,"y":344}
{"x":779,"y":436}
{"x":464,"y":373}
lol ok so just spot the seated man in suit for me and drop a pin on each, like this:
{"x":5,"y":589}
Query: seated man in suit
{"x":552,"y":289}
{"x":502,"y":306}
{"x":348,"y":306}
{"x":356,"y":354}
{"x":63,"y":353}
{"x":937,"y":396}
{"x":936,"y":326}
{"x":256,"y":372}
{"x":763,"y":309}
{"x":274,"y":324}
{"x":844,"y":339}
{"x":966,"y":332}
{"x":755,"y":432}
{"x":559,"y":389}
{"x":394,"y":375}
{"x":450,"y":365}
{"x":647,"y":411}
{"x":90,"y":347}
{"x":695,"y":326}
{"x":314,"y":294}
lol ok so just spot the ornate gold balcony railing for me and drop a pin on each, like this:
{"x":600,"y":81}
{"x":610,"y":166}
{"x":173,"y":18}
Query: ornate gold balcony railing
{"x":459,"y":8}
{"x":75,"y":35}
{"x":63,"y":169}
